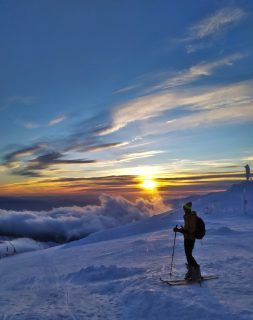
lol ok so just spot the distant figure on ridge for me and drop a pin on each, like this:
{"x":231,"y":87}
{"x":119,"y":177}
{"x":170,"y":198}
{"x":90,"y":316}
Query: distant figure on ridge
{"x":247,"y":169}
{"x":190,"y":232}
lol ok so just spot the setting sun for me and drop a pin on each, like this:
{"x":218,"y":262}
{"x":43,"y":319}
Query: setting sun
{"x":149,"y":184}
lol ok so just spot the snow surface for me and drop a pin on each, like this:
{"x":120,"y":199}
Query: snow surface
{"x":114,"y":274}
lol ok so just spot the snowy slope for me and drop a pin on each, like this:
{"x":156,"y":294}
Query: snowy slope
{"x":236,"y":200}
{"x":114,"y":274}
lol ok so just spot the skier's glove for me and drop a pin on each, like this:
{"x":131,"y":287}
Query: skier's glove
{"x":176,"y":229}
{"x":181,"y":230}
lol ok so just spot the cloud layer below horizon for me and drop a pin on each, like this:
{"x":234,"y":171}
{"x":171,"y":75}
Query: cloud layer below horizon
{"x":69,"y":223}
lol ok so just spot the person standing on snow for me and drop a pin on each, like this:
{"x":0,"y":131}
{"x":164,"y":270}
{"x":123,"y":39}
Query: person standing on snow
{"x":247,"y":169}
{"x":188,"y":230}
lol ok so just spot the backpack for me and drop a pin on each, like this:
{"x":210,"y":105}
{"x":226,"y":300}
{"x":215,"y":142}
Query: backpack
{"x":200,"y":228}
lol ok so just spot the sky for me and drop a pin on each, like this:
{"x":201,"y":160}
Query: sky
{"x":98,"y":96}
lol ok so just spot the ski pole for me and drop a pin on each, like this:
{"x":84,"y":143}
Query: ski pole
{"x":172,"y":258}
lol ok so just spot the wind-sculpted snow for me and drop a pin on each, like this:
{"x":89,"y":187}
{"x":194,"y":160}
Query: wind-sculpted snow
{"x":103,"y":273}
{"x":20,"y":245}
{"x":117,"y":278}
{"x":237,"y":200}
{"x":69,"y":223}
{"x":223,"y":231}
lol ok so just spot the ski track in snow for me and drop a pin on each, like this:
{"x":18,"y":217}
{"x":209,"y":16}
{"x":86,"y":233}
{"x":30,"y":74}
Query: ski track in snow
{"x":119,"y":278}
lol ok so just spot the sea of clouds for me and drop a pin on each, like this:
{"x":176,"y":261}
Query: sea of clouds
{"x":70,"y":223}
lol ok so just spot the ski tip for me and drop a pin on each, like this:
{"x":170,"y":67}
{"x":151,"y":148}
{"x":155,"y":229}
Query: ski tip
{"x":174,"y":282}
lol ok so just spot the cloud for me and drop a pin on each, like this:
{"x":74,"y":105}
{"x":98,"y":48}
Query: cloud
{"x":83,"y":185}
{"x":55,"y":158}
{"x":107,"y":180}
{"x":23,"y":152}
{"x":15,"y":160}
{"x":214,"y":117}
{"x":34,"y":125}
{"x":248,"y":158}
{"x":196,"y":72}
{"x":139,"y":109}
{"x":233,"y":95}
{"x":68,"y":223}
{"x":206,"y":177}
{"x":199,"y":35}
{"x":45,"y":161}
{"x":158,"y":113}
{"x":192,"y":47}
{"x":30,"y":160}
{"x":127,"y":89}
{"x":29,"y":125}
{"x":85,"y":135}
{"x":57,"y":120}
{"x":98,"y":147}
{"x":216,"y":23}
{"x":222,"y":103}
{"x":139,"y":155}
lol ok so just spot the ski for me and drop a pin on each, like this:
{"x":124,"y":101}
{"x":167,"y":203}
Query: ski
{"x":178,"y":282}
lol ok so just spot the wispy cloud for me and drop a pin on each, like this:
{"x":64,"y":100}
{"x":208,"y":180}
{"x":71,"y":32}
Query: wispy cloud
{"x":196,"y":72}
{"x":216,"y":117}
{"x":220,"y":107}
{"x":216,"y":23}
{"x":32,"y":161}
{"x":15,"y":160}
{"x":139,"y":155}
{"x":192,"y":47}
{"x":127,"y":89}
{"x":29,"y":125}
{"x":203,"y":118}
{"x":35,"y":125}
{"x":57,"y":120}
{"x":108,"y":182}
{"x":139,"y":109}
{"x":222,"y":104}
{"x":36,"y":167}
{"x":156,"y":114}
{"x":212,"y":26}
{"x":97,"y":147}
{"x":248,"y":158}
{"x":23,"y":152}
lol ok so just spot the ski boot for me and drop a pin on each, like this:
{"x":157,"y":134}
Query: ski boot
{"x":188,"y":274}
{"x":196,"y":274}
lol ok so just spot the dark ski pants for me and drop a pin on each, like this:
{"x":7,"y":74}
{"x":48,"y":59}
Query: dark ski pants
{"x":188,"y":248}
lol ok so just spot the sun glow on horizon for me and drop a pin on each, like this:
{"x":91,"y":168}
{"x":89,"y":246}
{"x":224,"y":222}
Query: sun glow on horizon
{"x":149,"y":184}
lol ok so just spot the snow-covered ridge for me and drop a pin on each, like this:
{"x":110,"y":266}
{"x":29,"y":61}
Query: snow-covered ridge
{"x":237,"y":200}
{"x":114,"y":274}
{"x":113,"y":219}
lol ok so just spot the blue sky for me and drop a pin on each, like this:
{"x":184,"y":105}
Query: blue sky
{"x":126,"y":90}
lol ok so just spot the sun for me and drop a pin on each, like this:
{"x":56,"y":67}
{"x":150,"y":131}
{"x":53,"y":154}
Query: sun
{"x":149,"y":184}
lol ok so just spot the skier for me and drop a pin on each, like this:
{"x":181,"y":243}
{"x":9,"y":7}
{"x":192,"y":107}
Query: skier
{"x":247,"y":169}
{"x":190,"y":219}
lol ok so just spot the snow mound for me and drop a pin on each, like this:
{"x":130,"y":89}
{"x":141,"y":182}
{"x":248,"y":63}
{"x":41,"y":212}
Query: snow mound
{"x":114,"y":274}
{"x":103,"y":273}
{"x":21,"y":245}
{"x":223,"y":231}
{"x":235,"y":201}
